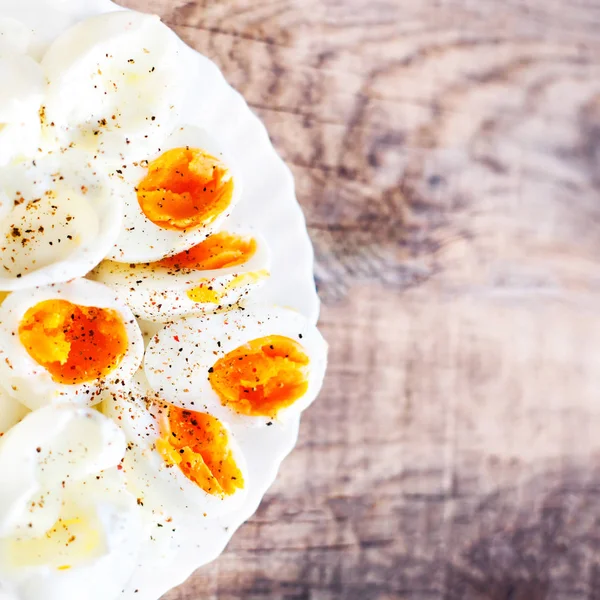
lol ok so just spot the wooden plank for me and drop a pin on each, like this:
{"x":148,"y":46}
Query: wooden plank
{"x":447,"y":155}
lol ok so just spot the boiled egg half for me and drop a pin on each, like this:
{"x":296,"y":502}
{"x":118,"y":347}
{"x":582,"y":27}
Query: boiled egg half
{"x":174,"y":198}
{"x":178,"y":461}
{"x":115,"y":84}
{"x":67,"y":342}
{"x":248,"y":365}
{"x":58,"y":219}
{"x":217,"y":273}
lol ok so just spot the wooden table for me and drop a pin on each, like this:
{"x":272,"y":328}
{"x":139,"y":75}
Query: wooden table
{"x":447,"y":155}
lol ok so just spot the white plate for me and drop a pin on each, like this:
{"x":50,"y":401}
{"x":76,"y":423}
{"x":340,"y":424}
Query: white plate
{"x":269,"y":205}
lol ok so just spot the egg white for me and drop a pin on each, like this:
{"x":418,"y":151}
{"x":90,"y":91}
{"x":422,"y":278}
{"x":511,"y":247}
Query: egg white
{"x":163,"y":489}
{"x":30,"y":382}
{"x":159,"y":294}
{"x":102,"y":559}
{"x":115,"y":84}
{"x":59,"y":463}
{"x":58,"y":219}
{"x":47,"y":447}
{"x":141,"y":240}
{"x":22,"y":90}
{"x":16,"y":38}
{"x":20,"y":101}
{"x":11,"y":411}
{"x":179,"y":357}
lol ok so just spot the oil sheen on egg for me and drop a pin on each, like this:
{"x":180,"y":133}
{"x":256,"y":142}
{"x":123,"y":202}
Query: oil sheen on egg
{"x":174,"y":197}
{"x":67,"y":342}
{"x":115,"y":84}
{"x":216,"y":273}
{"x":244,"y":366}
{"x":179,"y":461}
{"x":58,"y":219}
{"x":66,"y":518}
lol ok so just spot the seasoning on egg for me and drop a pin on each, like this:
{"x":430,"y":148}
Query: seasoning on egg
{"x":185,"y":188}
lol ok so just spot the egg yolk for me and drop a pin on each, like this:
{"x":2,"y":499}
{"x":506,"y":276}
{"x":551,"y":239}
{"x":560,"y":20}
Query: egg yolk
{"x":206,"y":292}
{"x":199,"y":445}
{"x":185,"y":188}
{"x":262,"y":377}
{"x":74,"y":343}
{"x":219,"y":251}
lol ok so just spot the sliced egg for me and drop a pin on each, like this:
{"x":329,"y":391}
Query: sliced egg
{"x":174,"y":198}
{"x":66,"y":518}
{"x":47,"y":447}
{"x":67,"y":342}
{"x":115,"y":84}
{"x":216,"y":273}
{"x":178,"y":460}
{"x":58,"y":219}
{"x":245,"y":365}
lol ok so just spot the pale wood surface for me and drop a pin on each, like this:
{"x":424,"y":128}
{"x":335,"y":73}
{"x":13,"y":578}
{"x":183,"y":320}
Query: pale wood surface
{"x":447,"y":155}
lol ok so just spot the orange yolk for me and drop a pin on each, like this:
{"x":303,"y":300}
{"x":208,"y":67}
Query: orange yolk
{"x":261,"y":377}
{"x":185,"y":188}
{"x":73,"y":343}
{"x":199,"y":445}
{"x":219,"y":251}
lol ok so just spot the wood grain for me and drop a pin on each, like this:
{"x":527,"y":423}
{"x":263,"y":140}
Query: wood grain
{"x":447,"y":156}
